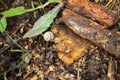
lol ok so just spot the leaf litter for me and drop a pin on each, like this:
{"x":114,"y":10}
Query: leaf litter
{"x":45,"y":64}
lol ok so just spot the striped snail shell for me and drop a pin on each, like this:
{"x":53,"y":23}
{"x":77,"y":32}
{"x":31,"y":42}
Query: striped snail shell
{"x":48,"y":36}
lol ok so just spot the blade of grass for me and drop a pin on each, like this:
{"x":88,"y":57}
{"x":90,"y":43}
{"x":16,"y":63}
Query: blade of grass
{"x":23,"y":57}
{"x":15,"y":42}
{"x":34,"y":13}
{"x":17,"y":50}
{"x":21,"y":62}
{"x":4,"y":49}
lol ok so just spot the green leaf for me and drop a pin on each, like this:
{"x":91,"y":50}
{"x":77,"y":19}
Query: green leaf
{"x":3,"y":24}
{"x":44,"y":22}
{"x":21,"y":10}
{"x":14,"y":11}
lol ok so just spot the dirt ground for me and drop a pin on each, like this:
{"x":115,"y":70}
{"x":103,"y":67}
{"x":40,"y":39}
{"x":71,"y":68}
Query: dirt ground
{"x":40,"y":61}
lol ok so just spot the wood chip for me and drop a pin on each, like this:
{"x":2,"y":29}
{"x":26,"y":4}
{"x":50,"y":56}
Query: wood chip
{"x":71,"y":47}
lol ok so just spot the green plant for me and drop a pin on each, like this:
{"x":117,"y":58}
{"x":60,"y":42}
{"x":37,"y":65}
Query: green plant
{"x":38,"y":28}
{"x":43,"y":23}
{"x":3,"y":24}
{"x":19,"y":11}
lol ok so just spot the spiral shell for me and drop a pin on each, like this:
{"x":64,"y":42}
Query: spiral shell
{"x":48,"y":36}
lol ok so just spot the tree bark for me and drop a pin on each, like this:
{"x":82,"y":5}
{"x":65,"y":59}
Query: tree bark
{"x":106,"y":39}
{"x":98,"y":13}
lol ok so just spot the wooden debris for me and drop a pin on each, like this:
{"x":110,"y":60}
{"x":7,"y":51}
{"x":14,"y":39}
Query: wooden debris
{"x":70,"y":46}
{"x":83,"y":19}
{"x":98,"y":13}
{"x":106,"y":39}
{"x":112,"y":70}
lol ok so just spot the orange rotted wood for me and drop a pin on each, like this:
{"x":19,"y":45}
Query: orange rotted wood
{"x":98,"y":13}
{"x":70,"y":46}
{"x":83,"y":20}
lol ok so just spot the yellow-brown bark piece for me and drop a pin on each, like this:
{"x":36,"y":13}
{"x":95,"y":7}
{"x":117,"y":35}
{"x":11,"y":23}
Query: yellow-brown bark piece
{"x":96,"y":12}
{"x":70,"y":47}
{"x":106,"y":39}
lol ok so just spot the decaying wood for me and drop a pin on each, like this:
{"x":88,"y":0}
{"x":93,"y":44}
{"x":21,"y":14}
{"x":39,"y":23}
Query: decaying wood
{"x":106,"y":39}
{"x":112,"y":70}
{"x":70,"y":46}
{"x":83,"y":19}
{"x":96,"y":12}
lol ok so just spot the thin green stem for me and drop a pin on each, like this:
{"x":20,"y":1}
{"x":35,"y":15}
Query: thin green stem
{"x":23,"y":57}
{"x":4,"y":49}
{"x":39,"y":7}
{"x":14,"y":41}
{"x":21,"y":62}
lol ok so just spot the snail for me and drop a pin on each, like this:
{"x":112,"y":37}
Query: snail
{"x":48,"y":36}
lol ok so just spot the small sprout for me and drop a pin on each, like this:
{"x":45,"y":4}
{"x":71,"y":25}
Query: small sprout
{"x":48,"y":36}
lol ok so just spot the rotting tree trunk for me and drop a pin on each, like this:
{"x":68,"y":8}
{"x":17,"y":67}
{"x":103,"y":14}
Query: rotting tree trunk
{"x":106,"y":39}
{"x":98,"y":13}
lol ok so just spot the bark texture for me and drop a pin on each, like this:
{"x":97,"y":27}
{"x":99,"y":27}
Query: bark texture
{"x":98,"y":13}
{"x":106,"y":39}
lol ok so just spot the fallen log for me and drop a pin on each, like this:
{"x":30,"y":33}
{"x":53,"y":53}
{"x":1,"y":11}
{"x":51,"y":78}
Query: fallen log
{"x":83,"y":19}
{"x":106,"y":39}
{"x":98,"y":13}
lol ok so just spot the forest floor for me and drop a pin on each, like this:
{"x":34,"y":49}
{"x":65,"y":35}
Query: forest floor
{"x":41,"y":61}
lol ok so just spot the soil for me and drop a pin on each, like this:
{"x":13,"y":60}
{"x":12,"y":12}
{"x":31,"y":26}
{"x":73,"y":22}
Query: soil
{"x":41,"y":60}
